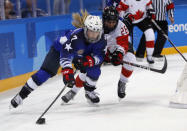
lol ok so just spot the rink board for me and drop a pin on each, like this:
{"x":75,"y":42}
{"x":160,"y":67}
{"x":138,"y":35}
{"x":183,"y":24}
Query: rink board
{"x":17,"y":81}
{"x":25,"y":42}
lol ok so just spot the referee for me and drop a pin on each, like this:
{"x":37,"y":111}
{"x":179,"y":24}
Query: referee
{"x":162,"y":9}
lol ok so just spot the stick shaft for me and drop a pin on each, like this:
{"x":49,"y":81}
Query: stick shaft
{"x":53,"y":102}
{"x":164,"y":34}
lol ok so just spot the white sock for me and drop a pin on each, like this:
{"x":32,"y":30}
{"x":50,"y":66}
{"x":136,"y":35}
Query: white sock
{"x":75,"y":89}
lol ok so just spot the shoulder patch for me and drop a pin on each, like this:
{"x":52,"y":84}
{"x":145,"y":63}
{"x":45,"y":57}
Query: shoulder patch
{"x":63,"y":40}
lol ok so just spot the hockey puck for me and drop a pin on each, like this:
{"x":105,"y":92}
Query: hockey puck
{"x":40,"y":121}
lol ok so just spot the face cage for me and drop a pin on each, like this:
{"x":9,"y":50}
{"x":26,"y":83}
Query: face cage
{"x":106,"y":29}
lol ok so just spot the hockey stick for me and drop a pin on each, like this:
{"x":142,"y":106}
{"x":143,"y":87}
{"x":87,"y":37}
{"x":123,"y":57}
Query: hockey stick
{"x":162,"y":71}
{"x":164,"y":34}
{"x":41,"y":120}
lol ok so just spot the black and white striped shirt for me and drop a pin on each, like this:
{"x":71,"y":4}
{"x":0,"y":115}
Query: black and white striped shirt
{"x":162,"y":8}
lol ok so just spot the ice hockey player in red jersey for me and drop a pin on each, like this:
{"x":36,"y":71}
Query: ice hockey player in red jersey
{"x":140,"y":12}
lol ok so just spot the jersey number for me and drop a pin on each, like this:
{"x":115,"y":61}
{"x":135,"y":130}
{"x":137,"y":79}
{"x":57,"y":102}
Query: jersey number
{"x":74,"y":38}
{"x":124,"y":30}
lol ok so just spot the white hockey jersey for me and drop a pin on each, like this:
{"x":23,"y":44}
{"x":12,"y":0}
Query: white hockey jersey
{"x":118,"y":39}
{"x":137,"y":8}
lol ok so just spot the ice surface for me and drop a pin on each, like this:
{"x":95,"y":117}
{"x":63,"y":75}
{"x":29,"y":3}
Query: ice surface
{"x":145,"y":107}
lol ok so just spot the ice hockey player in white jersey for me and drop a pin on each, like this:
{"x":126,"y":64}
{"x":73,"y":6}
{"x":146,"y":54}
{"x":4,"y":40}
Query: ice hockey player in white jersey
{"x":140,"y":12}
{"x":119,"y":47}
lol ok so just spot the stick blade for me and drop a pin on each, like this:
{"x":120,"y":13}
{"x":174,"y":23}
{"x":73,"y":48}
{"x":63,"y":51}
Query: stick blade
{"x":40,"y":121}
{"x":164,"y":68}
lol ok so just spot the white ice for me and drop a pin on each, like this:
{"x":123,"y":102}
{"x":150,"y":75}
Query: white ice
{"x":145,"y":107}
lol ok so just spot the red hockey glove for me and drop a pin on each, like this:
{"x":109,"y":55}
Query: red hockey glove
{"x":83,"y":62}
{"x":68,"y":77}
{"x":88,"y":61}
{"x":117,"y":58}
{"x":107,"y":57}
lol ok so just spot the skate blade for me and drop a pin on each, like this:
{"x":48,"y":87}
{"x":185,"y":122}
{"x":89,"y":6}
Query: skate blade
{"x":10,"y":107}
{"x":66,"y":103}
{"x":151,"y":65}
{"x":63,"y":103}
{"x":158,"y":59}
{"x":92,"y":104}
{"x":120,"y":99}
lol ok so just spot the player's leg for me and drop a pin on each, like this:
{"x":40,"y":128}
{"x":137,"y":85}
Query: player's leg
{"x":92,"y":76}
{"x":88,"y":81}
{"x":48,"y":69}
{"x":140,"y":52}
{"x":161,"y":40}
{"x":126,"y":72}
{"x":146,"y":27}
{"x":80,"y":79}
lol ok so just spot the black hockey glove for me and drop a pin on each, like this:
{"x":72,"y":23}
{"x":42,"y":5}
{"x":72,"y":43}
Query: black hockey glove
{"x":83,"y":62}
{"x":151,"y":14}
{"x":127,"y":20}
{"x":68,"y":77}
{"x":117,"y":58}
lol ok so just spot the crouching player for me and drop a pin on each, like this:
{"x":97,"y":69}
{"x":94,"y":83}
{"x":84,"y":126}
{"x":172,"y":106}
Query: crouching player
{"x":118,"y":48}
{"x":84,"y":47}
{"x":86,"y":51}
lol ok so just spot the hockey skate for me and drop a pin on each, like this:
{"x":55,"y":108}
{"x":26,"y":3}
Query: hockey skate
{"x":16,"y":101}
{"x":92,"y":97}
{"x":150,"y":60}
{"x":121,"y":89}
{"x":68,"y":96}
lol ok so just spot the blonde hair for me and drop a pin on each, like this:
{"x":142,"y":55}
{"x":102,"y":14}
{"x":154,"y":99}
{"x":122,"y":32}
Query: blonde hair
{"x":78,"y":19}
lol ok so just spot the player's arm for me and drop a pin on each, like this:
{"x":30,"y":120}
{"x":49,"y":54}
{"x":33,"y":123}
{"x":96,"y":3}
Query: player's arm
{"x":95,"y":58}
{"x":170,"y":11}
{"x":122,"y":39}
{"x":99,"y":52}
{"x":122,"y":42}
{"x":125,"y":15}
{"x":68,"y":50}
{"x":150,"y":10}
{"x":122,"y":8}
{"x":57,"y":44}
{"x":66,"y":57}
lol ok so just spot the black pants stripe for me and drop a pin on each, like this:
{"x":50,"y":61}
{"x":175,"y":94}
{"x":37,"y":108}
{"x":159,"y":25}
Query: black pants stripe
{"x":160,"y":41}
